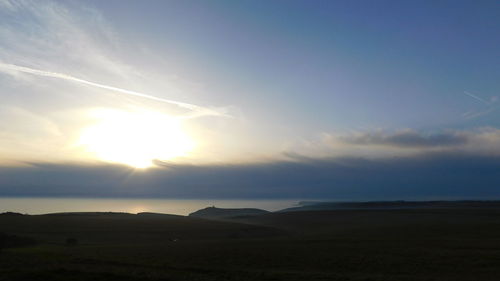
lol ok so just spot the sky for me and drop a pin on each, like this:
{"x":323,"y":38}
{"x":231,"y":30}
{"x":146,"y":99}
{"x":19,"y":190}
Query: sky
{"x":347,"y":100}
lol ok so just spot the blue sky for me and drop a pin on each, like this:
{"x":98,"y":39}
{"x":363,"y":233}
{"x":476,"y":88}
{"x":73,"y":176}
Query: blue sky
{"x":248,"y":85}
{"x":352,"y":63}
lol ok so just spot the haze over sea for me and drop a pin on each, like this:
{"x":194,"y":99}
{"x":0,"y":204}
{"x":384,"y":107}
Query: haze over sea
{"x":35,"y":206}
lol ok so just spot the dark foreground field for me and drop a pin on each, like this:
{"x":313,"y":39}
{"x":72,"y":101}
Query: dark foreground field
{"x":426,"y":244}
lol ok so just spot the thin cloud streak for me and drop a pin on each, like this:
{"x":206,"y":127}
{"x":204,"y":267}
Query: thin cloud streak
{"x":475,"y":114}
{"x":199,"y":110}
{"x":476,"y":98}
{"x":409,"y":139}
{"x":489,"y":104}
{"x":401,"y":143}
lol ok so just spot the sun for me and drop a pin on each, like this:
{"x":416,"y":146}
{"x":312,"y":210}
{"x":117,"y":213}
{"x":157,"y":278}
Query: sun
{"x":135,"y":138}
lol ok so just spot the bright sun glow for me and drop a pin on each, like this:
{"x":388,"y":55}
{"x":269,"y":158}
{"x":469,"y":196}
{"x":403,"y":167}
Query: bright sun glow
{"x":135,"y":138}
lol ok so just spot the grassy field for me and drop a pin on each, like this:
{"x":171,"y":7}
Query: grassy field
{"x":445,"y":244}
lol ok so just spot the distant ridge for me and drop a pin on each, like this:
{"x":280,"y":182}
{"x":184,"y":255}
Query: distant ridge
{"x":323,"y":206}
{"x":221,"y":213}
{"x":90,"y":214}
{"x":11,"y":214}
{"x":110,"y":214}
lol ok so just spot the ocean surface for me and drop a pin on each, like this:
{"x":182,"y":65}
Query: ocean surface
{"x":35,"y":206}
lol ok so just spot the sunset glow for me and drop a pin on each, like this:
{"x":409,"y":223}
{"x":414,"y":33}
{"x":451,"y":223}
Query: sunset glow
{"x":135,"y":138}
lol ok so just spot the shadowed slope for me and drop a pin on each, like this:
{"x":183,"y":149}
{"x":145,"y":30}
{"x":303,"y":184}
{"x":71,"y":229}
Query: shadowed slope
{"x":220,"y":213}
{"x":112,"y":228}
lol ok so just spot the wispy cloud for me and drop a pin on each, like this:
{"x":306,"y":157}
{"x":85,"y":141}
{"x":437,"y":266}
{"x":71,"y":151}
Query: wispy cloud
{"x":56,"y":58}
{"x":490,"y":106}
{"x":49,"y":34}
{"x":406,"y":138}
{"x":198,"y":110}
{"x":406,"y":142}
{"x":476,"y":97}
{"x":75,"y":43}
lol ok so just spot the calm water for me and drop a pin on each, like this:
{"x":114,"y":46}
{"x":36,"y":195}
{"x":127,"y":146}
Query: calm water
{"x":169,"y":206}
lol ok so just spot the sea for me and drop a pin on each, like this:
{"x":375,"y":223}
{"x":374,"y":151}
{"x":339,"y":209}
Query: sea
{"x":36,"y":206}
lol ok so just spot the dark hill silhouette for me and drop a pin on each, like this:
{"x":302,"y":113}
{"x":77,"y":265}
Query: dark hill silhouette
{"x":384,"y":205}
{"x":86,"y":214}
{"x":412,"y":244}
{"x":111,"y":228}
{"x":11,"y":214}
{"x":221,"y":213}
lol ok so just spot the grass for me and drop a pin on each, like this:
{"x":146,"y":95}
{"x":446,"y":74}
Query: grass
{"x":452,"y":244}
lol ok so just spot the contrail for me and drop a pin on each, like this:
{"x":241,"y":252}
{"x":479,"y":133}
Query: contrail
{"x":490,"y":107}
{"x":198,"y":109}
{"x":476,"y":97}
{"x":474,"y":114}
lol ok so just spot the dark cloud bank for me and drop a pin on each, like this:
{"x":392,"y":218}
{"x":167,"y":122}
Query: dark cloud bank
{"x":408,"y":138}
{"x":444,"y":176}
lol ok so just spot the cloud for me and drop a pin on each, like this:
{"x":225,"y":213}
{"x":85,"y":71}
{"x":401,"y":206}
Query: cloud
{"x":41,"y":35}
{"x":447,"y":165}
{"x":430,"y":176}
{"x":46,"y":34}
{"x":59,"y":61}
{"x":489,"y":106}
{"x":23,"y":133}
{"x":407,"y":142}
{"x":408,"y":138}
{"x":197,"y":110}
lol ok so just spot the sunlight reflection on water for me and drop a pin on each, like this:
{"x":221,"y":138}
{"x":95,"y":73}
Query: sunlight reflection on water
{"x":168,"y":206}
